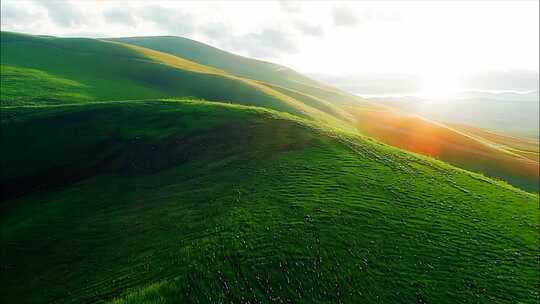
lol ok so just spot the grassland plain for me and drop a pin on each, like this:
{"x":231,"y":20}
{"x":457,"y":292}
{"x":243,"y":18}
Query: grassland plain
{"x":167,"y":201}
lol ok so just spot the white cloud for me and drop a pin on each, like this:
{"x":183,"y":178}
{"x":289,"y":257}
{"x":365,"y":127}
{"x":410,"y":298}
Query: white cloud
{"x":64,"y":13}
{"x":171,"y":20}
{"x":118,"y":15}
{"x":20,"y":16}
{"x":357,"y":37}
{"x":344,"y":16}
{"x":268,"y":43}
{"x":309,"y":29}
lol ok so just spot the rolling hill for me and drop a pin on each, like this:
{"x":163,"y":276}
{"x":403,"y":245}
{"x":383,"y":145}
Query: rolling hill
{"x":120,"y":184}
{"x":240,"y":66}
{"x":526,"y":147}
{"x":214,"y":57}
{"x":212,"y":202}
{"x":370,"y":118}
{"x":105,"y":71}
{"x":49,"y":70}
{"x":457,"y":146}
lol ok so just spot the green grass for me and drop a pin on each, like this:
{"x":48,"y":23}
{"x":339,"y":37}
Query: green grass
{"x":192,"y":201}
{"x":21,"y":86}
{"x":113,"y":71}
{"x":113,"y":191}
{"x":233,"y":64}
{"x":340,"y":106}
{"x":210,"y":56}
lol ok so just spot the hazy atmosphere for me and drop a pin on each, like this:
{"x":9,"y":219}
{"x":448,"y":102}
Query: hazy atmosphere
{"x":425,"y":48}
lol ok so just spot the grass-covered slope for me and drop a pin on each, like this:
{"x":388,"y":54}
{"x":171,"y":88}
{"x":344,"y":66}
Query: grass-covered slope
{"x":528,"y":148}
{"x":188,"y":201}
{"x":30,"y":86}
{"x":214,"y":57}
{"x":267,"y":72}
{"x":104,"y":70}
{"x":49,"y":70}
{"x":467,"y":152}
{"x":459,"y":148}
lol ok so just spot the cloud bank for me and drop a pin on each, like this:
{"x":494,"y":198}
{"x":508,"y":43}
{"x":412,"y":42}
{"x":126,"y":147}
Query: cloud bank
{"x":385,"y":40}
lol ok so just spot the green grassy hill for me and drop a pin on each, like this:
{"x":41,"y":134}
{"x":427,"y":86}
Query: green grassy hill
{"x":50,"y":70}
{"x":214,"y":57}
{"x":111,"y":191}
{"x":474,"y":155}
{"x":207,"y":202}
{"x":105,"y":71}
{"x":241,"y":66}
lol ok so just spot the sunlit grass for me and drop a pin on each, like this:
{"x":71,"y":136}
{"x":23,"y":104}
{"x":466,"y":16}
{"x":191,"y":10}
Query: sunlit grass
{"x":189,"y":200}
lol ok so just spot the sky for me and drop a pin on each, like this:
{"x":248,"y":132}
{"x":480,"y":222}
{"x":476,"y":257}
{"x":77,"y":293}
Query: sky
{"x":384,"y":47}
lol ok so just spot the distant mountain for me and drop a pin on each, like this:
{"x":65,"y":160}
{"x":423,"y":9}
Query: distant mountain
{"x":533,"y":96}
{"x":512,"y":113}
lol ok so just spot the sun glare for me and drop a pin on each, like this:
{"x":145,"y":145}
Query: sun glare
{"x":438,"y":86}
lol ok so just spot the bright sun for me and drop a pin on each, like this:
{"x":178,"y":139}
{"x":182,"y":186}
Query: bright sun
{"x":438,"y":86}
